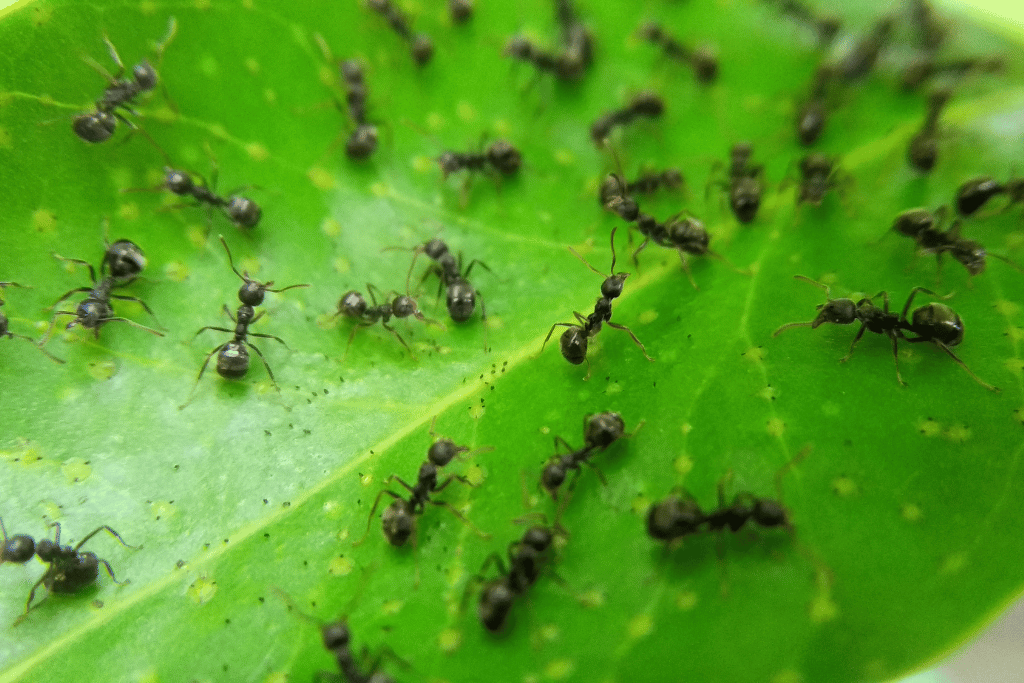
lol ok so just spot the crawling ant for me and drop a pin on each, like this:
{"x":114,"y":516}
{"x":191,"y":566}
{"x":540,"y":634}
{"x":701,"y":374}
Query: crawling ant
{"x":353,"y":305}
{"x":599,"y":431}
{"x":124,"y":260}
{"x":99,"y":125}
{"x":526,"y":560}
{"x":931,"y":28}
{"x":647,"y":104}
{"x":859,"y":61}
{"x":818,"y":175}
{"x":702,"y":60}
{"x":745,"y":182}
{"x":461,"y":11}
{"x":565,"y":66}
{"x":421,"y":48}
{"x":362,"y":141}
{"x":241,"y":211}
{"x":460,"y":295}
{"x":923,"y":151}
{"x":5,"y":330}
{"x":399,"y":519}
{"x":975,"y":193}
{"x":813,"y":113}
{"x":924,"y":68}
{"x":69,"y":570}
{"x":923,"y":227}
{"x":232,"y":356}
{"x":575,"y":340}
{"x":936,"y":323}
{"x":613,"y":190}
{"x":500,"y":156}
{"x":826,"y":26}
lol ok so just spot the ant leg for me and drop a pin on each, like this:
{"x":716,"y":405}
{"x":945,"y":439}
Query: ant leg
{"x":132,"y":323}
{"x":472,"y":263}
{"x":952,"y":355}
{"x":443,"y":485}
{"x":352,"y":336}
{"x":376,"y":502}
{"x":116,"y":58}
{"x":643,"y":245}
{"x":856,"y":339}
{"x":686,"y":267}
{"x":895,"y":358}
{"x":111,"y":572}
{"x":201,"y":371}
{"x":139,"y":301}
{"x":31,"y":595}
{"x":269,"y":336}
{"x":112,"y":533}
{"x":637,"y":341}
{"x":552,"y":331}
{"x":1007,"y":262}
{"x":794,"y":461}
{"x":68,"y":295}
{"x":483,"y":318}
{"x":590,"y":368}
{"x":265,"y":364}
{"x":211,"y":327}
{"x":399,"y":338}
{"x":462,"y":518}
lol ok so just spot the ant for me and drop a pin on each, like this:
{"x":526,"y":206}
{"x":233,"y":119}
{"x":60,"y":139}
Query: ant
{"x":461,"y":11}
{"x":813,"y":113}
{"x":859,"y":61}
{"x":599,"y":431}
{"x":975,"y":193}
{"x":419,"y":44}
{"x":99,"y":125}
{"x":826,"y":26}
{"x":922,"y":226}
{"x":745,"y":182}
{"x":702,"y":60}
{"x":613,"y":190}
{"x":936,"y":323}
{"x":923,"y":151}
{"x":124,"y":260}
{"x":69,"y":571}
{"x":526,"y":560}
{"x":647,"y":104}
{"x":241,"y":211}
{"x":500,"y":156}
{"x":5,"y":330}
{"x":399,"y":519}
{"x":232,"y":356}
{"x":362,"y":142}
{"x":460,"y":294}
{"x":924,"y":68}
{"x":575,"y":339}
{"x":819,"y":174}
{"x":932,"y":29}
{"x":565,"y":66}
{"x":353,"y":305}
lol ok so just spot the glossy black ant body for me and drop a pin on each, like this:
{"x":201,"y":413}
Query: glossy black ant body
{"x":99,"y":125}
{"x":613,"y":190}
{"x":353,"y":305}
{"x":599,"y":431}
{"x":859,"y":61}
{"x":702,"y":60}
{"x":923,"y":227}
{"x":420,"y":47}
{"x":745,"y":183}
{"x":575,"y":340}
{"x":813,"y":113}
{"x":122,"y":262}
{"x":646,"y":104}
{"x":564,"y":66}
{"x":362,"y":141}
{"x":818,"y":175}
{"x":5,"y":329}
{"x":923,"y":151}
{"x":241,"y":211}
{"x":924,"y":68}
{"x":975,"y":193}
{"x":825,"y":26}
{"x":460,"y":295}
{"x":500,"y":156}
{"x":935,"y":323}
{"x":232,"y":356}
{"x":69,"y":570}
{"x":460,"y":11}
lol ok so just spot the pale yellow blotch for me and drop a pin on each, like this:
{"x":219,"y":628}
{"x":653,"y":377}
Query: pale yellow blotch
{"x":392,"y":607}
{"x":565,"y":157}
{"x":340,"y":566}
{"x":755,"y":354}
{"x":775,"y":427}
{"x":321,"y":178}
{"x":1014,"y":241}
{"x":639,"y":626}
{"x":252,"y":65}
{"x":176,"y":271}
{"x":435,"y":121}
{"x":102,"y":369}
{"x":769,"y":393}
{"x":249,"y":264}
{"x":640,"y":505}
{"x":686,"y":428}
{"x":44,"y":220}
{"x":844,"y":487}
{"x":162,"y":509}
{"x":495,"y":322}
{"x":248,"y":4}
{"x":343,"y":534}
{"x":276,"y":676}
{"x":150,"y":676}
{"x":202,"y":4}
{"x":753,"y":102}
{"x":686,"y":600}
{"x":444,"y":350}
{"x":1007,"y":308}
{"x":47,"y":100}
{"x":477,"y":411}
{"x":501,"y":127}
{"x":592,"y":599}
{"x":475,"y":475}
{"x":465,"y":111}
{"x":422,"y":164}
{"x":342,"y":264}
{"x":911,"y":512}
{"x":958,"y":433}
{"x":754,"y":268}
{"x":147,"y":7}
{"x":1016,"y":334}
{"x":330,"y":227}
{"x":449,"y":640}
{"x":1014,"y":365}
{"x":787,"y":676}
{"x":549,"y":632}
{"x":5,"y":138}
{"x":326,"y":75}
{"x":326,"y":321}
{"x":218,"y":130}
{"x":41,"y":15}
{"x":380,"y":190}
{"x":76,"y":470}
{"x":332,"y":509}
{"x":647,"y":317}
{"x":823,"y":608}
{"x":202,"y":590}
{"x":208,"y":66}
{"x":953,"y":563}
{"x":683,"y":464}
{"x":196,"y":235}
{"x":52,"y":511}
{"x":614,"y":388}
{"x":270,"y":95}
{"x":829,"y":408}
{"x":366,"y":479}
{"x":257,"y":152}
{"x":1018,"y":414}
{"x":128,"y":211}
{"x":929,"y":427}
{"x":559,"y":669}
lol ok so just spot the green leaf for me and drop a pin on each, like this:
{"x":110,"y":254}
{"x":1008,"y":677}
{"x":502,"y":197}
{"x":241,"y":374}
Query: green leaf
{"x":904,"y":510}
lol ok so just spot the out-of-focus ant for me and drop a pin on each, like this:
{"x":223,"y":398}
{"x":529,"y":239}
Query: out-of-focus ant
{"x":353,"y":305}
{"x":500,"y":156}
{"x":931,"y":28}
{"x":975,"y":193}
{"x":922,"y":69}
{"x":813,"y":112}
{"x":825,"y":26}
{"x":745,"y":184}
{"x":5,"y":329}
{"x":460,"y":11}
{"x":861,"y":58}
{"x":702,"y":60}
{"x":646,"y":104}
{"x":362,"y":141}
{"x":923,"y":151}
{"x":420,"y":47}
{"x":818,"y":174}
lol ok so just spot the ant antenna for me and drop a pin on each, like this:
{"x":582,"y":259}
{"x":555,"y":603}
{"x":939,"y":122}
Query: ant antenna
{"x":244,"y":275}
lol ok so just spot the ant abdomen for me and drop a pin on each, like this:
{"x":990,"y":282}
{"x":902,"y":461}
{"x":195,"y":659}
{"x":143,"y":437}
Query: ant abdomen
{"x":940,"y":321}
{"x":233,"y":361}
{"x":603,"y":429}
{"x":398,"y":523}
{"x":574,"y":344}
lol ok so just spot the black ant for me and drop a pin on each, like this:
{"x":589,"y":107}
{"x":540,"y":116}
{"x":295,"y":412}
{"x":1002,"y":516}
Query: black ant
{"x":574,"y":341}
{"x":5,"y":330}
{"x":500,"y":155}
{"x":460,"y":295}
{"x":353,"y":305}
{"x":578,"y":41}
{"x":526,"y":560}
{"x":813,"y":113}
{"x":923,"y":151}
{"x":975,"y":193}
{"x":818,"y":174}
{"x":362,"y":141}
{"x":702,"y":60}
{"x":399,"y":519}
{"x":419,"y":44}
{"x":923,"y":227}
{"x":647,"y":104}
{"x":461,"y":11}
{"x":241,"y":211}
{"x":924,"y":68}
{"x":599,"y":431}
{"x":826,"y":26}
{"x":931,"y":28}
{"x":859,"y":61}
{"x":745,"y":182}
{"x":99,"y":125}
{"x":232,"y":356}
{"x":124,"y":260}
{"x":613,"y":190}
{"x":936,"y":323}
{"x":565,"y":66}
{"x":69,"y":571}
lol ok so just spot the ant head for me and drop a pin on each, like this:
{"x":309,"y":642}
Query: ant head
{"x":553,"y":476}
{"x":923,"y":151}
{"x":335,"y":636}
{"x":970,"y":254}
{"x":648,"y":104}
{"x":744,"y":204}
{"x":837,"y":312}
{"x":125,"y":261}
{"x":611,"y":288}
{"x":422,"y":49}
{"x":362,"y":142}
{"x":94,"y":126}
{"x":504,"y":157}
{"x":178,"y":182}
{"x":233,"y":360}
{"x":705,"y":64}
{"x":449,"y":163}
{"x":673,"y":518}
{"x":538,"y":537}
{"x":741,"y":152}
{"x":145,"y":75}
{"x":243,"y":212}
{"x":519,"y":48}
{"x":495,"y":603}
{"x":689,"y":232}
{"x":815,"y":162}
{"x":47,"y":550}
{"x":770,"y":513}
{"x":939,"y":323}
{"x":352,"y":304}
{"x":461,"y":300}
{"x":404,"y":305}
{"x":90,"y":314}
{"x":603,"y":429}
{"x":398,"y":523}
{"x":435,"y":248}
{"x":573,"y":344}
{"x":443,"y":451}
{"x":913,"y":222}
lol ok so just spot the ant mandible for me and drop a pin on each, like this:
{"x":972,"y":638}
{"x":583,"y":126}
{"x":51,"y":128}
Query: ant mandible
{"x":574,"y":341}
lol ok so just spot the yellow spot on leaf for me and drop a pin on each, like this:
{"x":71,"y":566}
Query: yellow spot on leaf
{"x":41,"y":15}
{"x":257,"y":152}
{"x":958,"y":433}
{"x":202,"y":4}
{"x":769,"y":393}
{"x":787,"y":676}
{"x":613,"y":388}
{"x":321,"y":178}
{"x":366,"y":479}
{"x":162,"y":509}
{"x":270,"y":95}
{"x":128,"y":211}
{"x":953,"y":563}
{"x":330,"y":227}
{"x":911,"y":512}
{"x":1007,"y":308}
{"x":1014,"y":365}
{"x":44,"y":220}
{"x":380,"y":190}
{"x":102,"y":369}
{"x":776,"y":427}
{"x":252,"y":65}
{"x":423,"y":164}
{"x":5,"y":138}
{"x":340,"y":566}
{"x":929,"y":427}
{"x":209,"y":67}
{"x":501,"y":127}
{"x":202,"y":590}
{"x":647,"y":317}
{"x":435,"y":121}
{"x":449,"y":640}
{"x":475,"y":475}
{"x":477,"y":411}
{"x":565,"y":157}
{"x":559,"y":668}
{"x":755,"y":354}
{"x":844,"y":487}
{"x":147,"y":7}
{"x":76,"y":470}
{"x":640,"y":505}
{"x":548,"y":632}
{"x":176,"y":271}
{"x":342,"y":264}
{"x":392,"y":607}
{"x":592,"y":599}
{"x":639,"y":626}
{"x":683,"y":464}
{"x":686,"y":600}
{"x":466,"y":111}
{"x":276,"y":676}
{"x":150,"y":676}
{"x":1016,"y":334}
{"x":196,"y":235}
